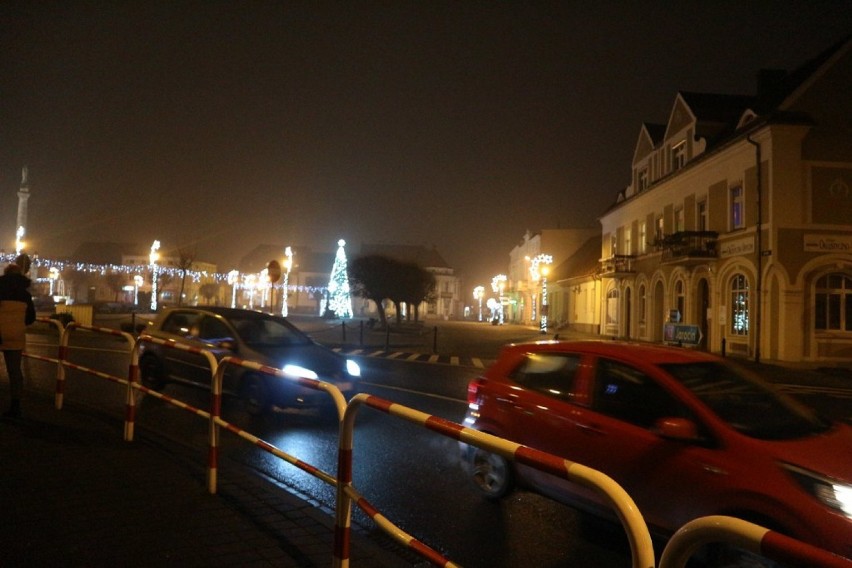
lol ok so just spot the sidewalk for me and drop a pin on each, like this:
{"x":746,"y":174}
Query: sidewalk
{"x":74,"y":494}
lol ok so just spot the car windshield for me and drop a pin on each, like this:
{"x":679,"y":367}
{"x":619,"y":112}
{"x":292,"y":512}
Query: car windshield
{"x":745,"y":403}
{"x":257,"y":330}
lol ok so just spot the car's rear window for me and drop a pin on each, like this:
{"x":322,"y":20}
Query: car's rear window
{"x":745,"y":403}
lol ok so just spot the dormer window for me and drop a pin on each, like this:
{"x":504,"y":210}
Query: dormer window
{"x":678,"y":156}
{"x":642,"y":180}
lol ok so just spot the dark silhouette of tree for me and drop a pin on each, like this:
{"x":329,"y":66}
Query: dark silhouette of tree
{"x":416,"y":285}
{"x":184,"y":262}
{"x":115,"y":281}
{"x":208,"y":291}
{"x":374,"y":277}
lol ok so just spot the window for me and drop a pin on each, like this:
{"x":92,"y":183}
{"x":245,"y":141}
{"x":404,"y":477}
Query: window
{"x":678,"y":156}
{"x":679,"y":220}
{"x":739,"y":305}
{"x":612,"y":307}
{"x":643,"y":237}
{"x":833,"y":303}
{"x":628,"y":240}
{"x":737,"y":212}
{"x":658,"y":230}
{"x":613,"y":244}
{"x":642,"y":180}
{"x":628,"y":394}
{"x":679,"y":298}
{"x":642,"y":304}
{"x":551,"y":374}
{"x":701,"y":215}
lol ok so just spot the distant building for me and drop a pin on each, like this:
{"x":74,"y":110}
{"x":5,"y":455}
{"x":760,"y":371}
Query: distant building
{"x":447,"y":302}
{"x":737,"y":220}
{"x":523,"y":290}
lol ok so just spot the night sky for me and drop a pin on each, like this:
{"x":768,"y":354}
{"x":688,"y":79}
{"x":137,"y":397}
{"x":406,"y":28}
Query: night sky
{"x":223,"y":125}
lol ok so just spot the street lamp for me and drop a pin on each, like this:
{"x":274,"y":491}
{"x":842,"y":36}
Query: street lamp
{"x":153,"y":257}
{"x":233,"y":280}
{"x":288,"y":265}
{"x":544,"y":260}
{"x":137,"y":282}
{"x":498,"y":283}
{"x":478,"y":293}
{"x":53,"y":274}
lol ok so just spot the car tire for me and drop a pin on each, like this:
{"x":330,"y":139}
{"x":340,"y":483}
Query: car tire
{"x":151,"y":373}
{"x":492,"y":474}
{"x":255,"y":395}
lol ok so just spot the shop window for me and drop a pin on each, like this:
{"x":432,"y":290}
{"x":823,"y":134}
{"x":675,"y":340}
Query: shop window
{"x":739,"y":305}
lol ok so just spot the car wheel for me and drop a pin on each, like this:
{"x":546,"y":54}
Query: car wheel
{"x":492,"y":474}
{"x":151,"y":373}
{"x":255,"y":395}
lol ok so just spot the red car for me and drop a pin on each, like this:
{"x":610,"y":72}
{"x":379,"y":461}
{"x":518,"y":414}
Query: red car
{"x":684,"y":432}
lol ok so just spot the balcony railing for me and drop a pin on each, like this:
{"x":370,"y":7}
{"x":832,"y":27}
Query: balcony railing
{"x":616,"y":266}
{"x":686,"y":246}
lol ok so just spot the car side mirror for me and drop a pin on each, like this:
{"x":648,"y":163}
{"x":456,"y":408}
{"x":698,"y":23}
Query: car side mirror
{"x":681,"y":429}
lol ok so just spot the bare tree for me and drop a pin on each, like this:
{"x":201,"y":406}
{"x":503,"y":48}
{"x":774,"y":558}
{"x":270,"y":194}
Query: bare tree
{"x":186,"y":257}
{"x":209,"y":290}
{"x":115,"y":281}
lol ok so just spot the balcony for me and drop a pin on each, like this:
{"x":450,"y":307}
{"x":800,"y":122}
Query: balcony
{"x":688,"y":247}
{"x":616,"y":266}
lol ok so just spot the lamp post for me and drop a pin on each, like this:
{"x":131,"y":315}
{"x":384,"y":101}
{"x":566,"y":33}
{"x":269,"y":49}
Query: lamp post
{"x":544,"y":260}
{"x":53,"y":274}
{"x":137,"y":282}
{"x":478,"y":293}
{"x":153,"y":257}
{"x":288,"y":264}
{"x":498,"y":284}
{"x":233,"y":280}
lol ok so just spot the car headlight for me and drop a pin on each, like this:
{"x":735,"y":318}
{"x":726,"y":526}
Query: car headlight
{"x":353,"y":368}
{"x":298,"y":371}
{"x":830,"y":492}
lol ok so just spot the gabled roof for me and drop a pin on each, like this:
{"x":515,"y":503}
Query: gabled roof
{"x":419,"y":255}
{"x":583,"y":263}
{"x":650,"y":136}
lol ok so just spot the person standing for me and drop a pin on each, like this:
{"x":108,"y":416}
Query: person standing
{"x":16,"y":312}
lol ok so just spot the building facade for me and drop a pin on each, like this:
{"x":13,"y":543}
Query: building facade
{"x":737,"y":220}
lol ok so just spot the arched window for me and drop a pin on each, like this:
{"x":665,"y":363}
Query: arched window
{"x":679,"y":298}
{"x":612,"y":307}
{"x":833,"y":303}
{"x":739,"y":305}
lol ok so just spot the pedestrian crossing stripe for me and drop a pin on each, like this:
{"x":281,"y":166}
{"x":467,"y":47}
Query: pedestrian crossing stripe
{"x":453,"y":360}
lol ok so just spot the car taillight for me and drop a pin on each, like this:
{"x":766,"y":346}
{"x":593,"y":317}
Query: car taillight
{"x":473,"y":390}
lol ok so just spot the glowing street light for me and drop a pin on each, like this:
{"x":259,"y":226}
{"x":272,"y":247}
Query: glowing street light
{"x":478,"y":293}
{"x":137,"y":283}
{"x":233,"y":280}
{"x":544,"y":260}
{"x":498,"y":283}
{"x":154,"y":257}
{"x":19,"y":240}
{"x":288,"y":265}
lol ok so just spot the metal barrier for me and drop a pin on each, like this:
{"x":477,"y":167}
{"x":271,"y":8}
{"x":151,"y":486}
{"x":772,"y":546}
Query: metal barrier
{"x":216,"y":419}
{"x":637,"y":531}
{"x":56,"y":323}
{"x":749,"y":537}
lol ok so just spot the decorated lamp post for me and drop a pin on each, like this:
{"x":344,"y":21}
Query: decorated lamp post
{"x":478,"y":293}
{"x":288,"y":265}
{"x":53,"y":275}
{"x":498,"y":284}
{"x":539,"y":270}
{"x":19,"y":240}
{"x":137,"y":282}
{"x":233,"y":280}
{"x":153,"y":257}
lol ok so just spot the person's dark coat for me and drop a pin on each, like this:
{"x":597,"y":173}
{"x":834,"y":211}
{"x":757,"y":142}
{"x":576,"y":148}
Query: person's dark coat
{"x":16,"y":310}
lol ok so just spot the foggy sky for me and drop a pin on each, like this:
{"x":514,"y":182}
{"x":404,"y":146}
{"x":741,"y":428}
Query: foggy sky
{"x":222,"y":125}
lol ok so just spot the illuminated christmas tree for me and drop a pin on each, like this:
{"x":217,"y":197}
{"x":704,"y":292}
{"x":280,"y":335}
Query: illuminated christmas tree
{"x":339,"y":299}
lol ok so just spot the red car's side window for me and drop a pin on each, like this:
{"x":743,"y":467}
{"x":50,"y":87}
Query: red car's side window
{"x":552,"y":374}
{"x":626,"y":393}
